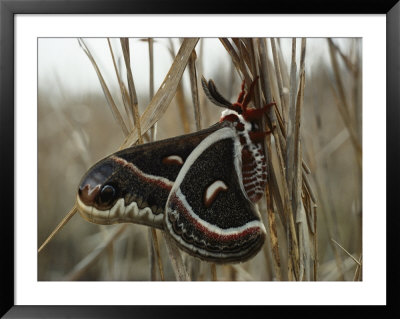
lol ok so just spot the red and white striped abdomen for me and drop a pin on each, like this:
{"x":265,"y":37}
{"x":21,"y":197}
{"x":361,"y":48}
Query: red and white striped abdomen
{"x":254,"y":171}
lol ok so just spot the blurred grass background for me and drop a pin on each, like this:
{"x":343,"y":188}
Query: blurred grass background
{"x":76,"y":129}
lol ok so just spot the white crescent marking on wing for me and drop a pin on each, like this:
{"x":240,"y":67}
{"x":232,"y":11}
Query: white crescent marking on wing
{"x":213,"y":190}
{"x":174,"y":158}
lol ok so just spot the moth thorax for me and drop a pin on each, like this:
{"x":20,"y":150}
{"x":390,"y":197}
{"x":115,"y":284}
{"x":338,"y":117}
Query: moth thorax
{"x":254,"y":171}
{"x":254,"y":168}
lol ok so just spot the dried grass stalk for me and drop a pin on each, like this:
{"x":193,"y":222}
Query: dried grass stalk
{"x":195,"y":91}
{"x":124,"y":93}
{"x":178,"y":266}
{"x":63,"y":222}
{"x":131,"y":86}
{"x":115,"y":111}
{"x":166,"y":92}
{"x":342,"y":104}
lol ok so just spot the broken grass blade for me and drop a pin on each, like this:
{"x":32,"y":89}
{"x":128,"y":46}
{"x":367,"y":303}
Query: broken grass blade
{"x":106,"y":91}
{"x":131,"y":86}
{"x":348,"y":254}
{"x":63,"y":222}
{"x":125,"y":97}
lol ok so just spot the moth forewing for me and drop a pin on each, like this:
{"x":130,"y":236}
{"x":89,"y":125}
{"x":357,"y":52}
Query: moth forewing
{"x":133,"y":185}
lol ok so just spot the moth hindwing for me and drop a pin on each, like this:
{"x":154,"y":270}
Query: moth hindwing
{"x":208,"y":212}
{"x":200,"y":188}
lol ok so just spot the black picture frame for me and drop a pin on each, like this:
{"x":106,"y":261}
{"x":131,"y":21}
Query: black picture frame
{"x":8,"y":10}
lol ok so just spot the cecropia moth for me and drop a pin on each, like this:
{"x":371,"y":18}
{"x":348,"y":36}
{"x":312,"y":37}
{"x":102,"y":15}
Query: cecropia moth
{"x":199,"y":188}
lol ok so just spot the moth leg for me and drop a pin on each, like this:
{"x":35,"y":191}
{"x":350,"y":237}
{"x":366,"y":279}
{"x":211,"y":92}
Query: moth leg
{"x":244,"y":98}
{"x":241,"y":94}
{"x":248,"y":96}
{"x":254,"y":114}
{"x":258,"y":137}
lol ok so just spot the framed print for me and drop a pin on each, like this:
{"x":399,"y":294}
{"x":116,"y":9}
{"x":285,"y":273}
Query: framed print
{"x":243,"y":154}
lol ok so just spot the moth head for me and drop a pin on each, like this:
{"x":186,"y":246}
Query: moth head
{"x":238,"y":112}
{"x":99,"y":187}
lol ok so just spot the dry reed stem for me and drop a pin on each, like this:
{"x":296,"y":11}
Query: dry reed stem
{"x":298,"y":209}
{"x":166,"y":92}
{"x":205,"y":112}
{"x":351,"y":256}
{"x":285,"y":79}
{"x":131,"y":87}
{"x":306,"y":168}
{"x":213,"y":268}
{"x":273,"y":234}
{"x":255,"y":67}
{"x":151,"y":85}
{"x":308,"y":187}
{"x":151,"y":66}
{"x":237,"y":60}
{"x":110,"y":261}
{"x":157,"y":250}
{"x":343,"y":106}
{"x":304,"y":247}
{"x":358,"y":273}
{"x":124,"y":94}
{"x":229,"y":48}
{"x":286,"y":172}
{"x":180,"y":101}
{"x":264,"y":72}
{"x":63,"y":222}
{"x":290,"y":142}
{"x":247,"y":63}
{"x":273,"y":183}
{"x":243,"y":46}
{"x":194,"y":90}
{"x":278,"y":75}
{"x":152,"y":235}
{"x":316,"y":259}
{"x":117,"y":115}
{"x":297,"y":142}
{"x":175,"y":255}
{"x":152,"y":254}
